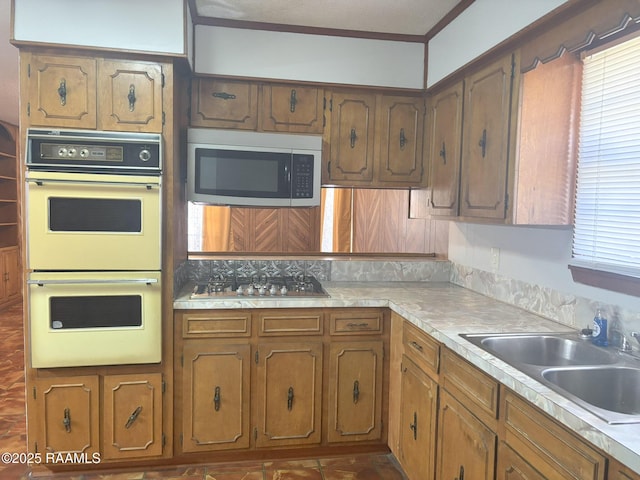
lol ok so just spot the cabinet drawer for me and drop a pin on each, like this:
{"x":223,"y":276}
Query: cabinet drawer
{"x":464,"y":381}
{"x":287,"y":323}
{"x":214,"y":324}
{"x":356,"y":323}
{"x":555,"y":451}
{"x":421,"y":348}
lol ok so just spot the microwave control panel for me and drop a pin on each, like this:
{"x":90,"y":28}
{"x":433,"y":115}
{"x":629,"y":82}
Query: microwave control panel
{"x":302,"y":178}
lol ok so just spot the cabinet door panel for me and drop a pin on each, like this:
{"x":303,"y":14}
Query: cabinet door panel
{"x":512,"y":467}
{"x":466,"y":446}
{"x":130,"y":96}
{"x":418,"y":419}
{"x":445,"y":136}
{"x":132,"y":416}
{"x":61,"y":91}
{"x":224,"y":104}
{"x":295,"y":108}
{"x":355,"y":391}
{"x":352,"y":137}
{"x":216,"y":396}
{"x":68,"y":414}
{"x":288,"y":397}
{"x":400,"y":139}
{"x":487,"y":114}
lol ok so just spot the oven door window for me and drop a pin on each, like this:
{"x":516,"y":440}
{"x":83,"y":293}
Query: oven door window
{"x":95,"y":215}
{"x":110,"y":311}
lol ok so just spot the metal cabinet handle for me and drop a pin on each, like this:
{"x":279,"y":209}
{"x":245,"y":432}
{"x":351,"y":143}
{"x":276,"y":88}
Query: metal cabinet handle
{"x":356,"y":391}
{"x":414,"y":426}
{"x":133,"y":416}
{"x":62,"y":92}
{"x":293,"y":100}
{"x":224,"y":95}
{"x":416,"y":345}
{"x":358,"y":325}
{"x":461,"y":474}
{"x":290,"y":399}
{"x":483,"y":142}
{"x":443,"y":154}
{"x":403,"y":139}
{"x":132,"y":97}
{"x":353,"y":137}
{"x":216,"y":398}
{"x":66,"y":420}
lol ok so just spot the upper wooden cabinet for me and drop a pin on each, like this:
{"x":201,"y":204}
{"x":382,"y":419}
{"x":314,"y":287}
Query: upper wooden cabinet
{"x":292,"y":108}
{"x":90,"y":93}
{"x":512,"y":152}
{"x":374,"y":140}
{"x":221,"y":103}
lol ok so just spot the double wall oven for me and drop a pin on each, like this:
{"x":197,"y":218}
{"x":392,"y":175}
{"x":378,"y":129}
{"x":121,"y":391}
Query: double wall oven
{"x":94,"y":230}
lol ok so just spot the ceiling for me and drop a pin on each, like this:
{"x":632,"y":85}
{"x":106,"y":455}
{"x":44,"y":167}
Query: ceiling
{"x":405,"y":17}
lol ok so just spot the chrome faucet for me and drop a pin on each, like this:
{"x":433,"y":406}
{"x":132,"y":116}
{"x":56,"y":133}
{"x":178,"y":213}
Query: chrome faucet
{"x":636,"y":335}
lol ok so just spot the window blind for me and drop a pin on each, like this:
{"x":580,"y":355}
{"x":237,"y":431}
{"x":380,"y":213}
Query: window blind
{"x":607,"y":210}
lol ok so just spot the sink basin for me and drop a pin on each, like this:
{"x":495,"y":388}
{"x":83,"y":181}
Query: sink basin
{"x":543,"y":350}
{"x":616,"y":389}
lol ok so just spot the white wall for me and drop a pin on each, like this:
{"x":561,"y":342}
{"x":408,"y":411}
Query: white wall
{"x":483,"y":25}
{"x":140,"y":25}
{"x":306,"y":57}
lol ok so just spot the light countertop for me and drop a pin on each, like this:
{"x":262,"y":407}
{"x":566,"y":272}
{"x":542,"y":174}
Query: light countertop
{"x":444,"y":311}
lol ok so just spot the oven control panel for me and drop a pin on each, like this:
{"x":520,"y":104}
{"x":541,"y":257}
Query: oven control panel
{"x":93,"y":151}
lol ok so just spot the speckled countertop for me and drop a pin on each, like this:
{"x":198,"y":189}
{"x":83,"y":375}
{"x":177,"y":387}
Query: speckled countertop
{"x":444,"y":311}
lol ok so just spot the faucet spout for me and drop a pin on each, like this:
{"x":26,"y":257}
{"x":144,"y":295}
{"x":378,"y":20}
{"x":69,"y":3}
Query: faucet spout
{"x":636,"y":335}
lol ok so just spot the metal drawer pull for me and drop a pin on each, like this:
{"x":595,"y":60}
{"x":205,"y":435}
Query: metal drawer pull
{"x":133,"y":416}
{"x":224,"y":95}
{"x":42,"y":283}
{"x":403,"y":139}
{"x":356,"y":391}
{"x":461,"y":475}
{"x":357,"y":325}
{"x":216,"y":398}
{"x":290,"y":399}
{"x":132,"y":97}
{"x":483,"y":142}
{"x":353,"y":137}
{"x":416,"y":345}
{"x":414,"y":426}
{"x":62,"y":92}
{"x":443,"y":154}
{"x":293,"y":101}
{"x":66,"y":420}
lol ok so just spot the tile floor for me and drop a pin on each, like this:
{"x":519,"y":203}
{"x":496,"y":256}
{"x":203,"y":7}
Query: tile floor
{"x":13,"y":438}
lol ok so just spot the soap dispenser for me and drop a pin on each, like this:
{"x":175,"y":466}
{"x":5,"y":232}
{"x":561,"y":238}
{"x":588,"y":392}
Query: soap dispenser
{"x":600,"y":329}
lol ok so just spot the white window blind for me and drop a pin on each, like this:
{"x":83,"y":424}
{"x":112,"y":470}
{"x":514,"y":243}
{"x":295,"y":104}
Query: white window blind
{"x":607,"y":216}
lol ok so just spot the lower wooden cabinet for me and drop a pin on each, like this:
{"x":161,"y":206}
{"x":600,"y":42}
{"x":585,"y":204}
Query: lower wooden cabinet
{"x":70,"y":412}
{"x":216,"y":385}
{"x":10,"y":275}
{"x":512,"y":466}
{"x":617,"y":471}
{"x":418,"y":419}
{"x":288,"y":397}
{"x":355,"y":391}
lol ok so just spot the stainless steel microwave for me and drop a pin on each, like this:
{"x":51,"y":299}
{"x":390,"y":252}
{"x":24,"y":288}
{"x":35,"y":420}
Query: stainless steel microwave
{"x":230,"y":167}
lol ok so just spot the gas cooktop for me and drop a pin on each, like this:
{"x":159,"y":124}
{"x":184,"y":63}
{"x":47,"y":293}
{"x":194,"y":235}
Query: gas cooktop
{"x":260,"y":286}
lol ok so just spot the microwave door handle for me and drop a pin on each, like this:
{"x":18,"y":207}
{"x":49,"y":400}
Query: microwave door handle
{"x":93,"y":281}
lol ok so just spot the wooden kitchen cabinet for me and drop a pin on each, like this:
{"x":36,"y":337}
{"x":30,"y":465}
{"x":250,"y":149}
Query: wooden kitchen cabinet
{"x":355,"y":391}
{"x":218,"y":103}
{"x":89,"y":93}
{"x":11,"y":280}
{"x":291,"y":108}
{"x":544,"y":444}
{"x":216,"y":396}
{"x":444,"y":136}
{"x":132,"y":415}
{"x":375,"y":140}
{"x":67,"y":409}
{"x":617,"y":471}
{"x":288,"y":396}
{"x":418,"y":420}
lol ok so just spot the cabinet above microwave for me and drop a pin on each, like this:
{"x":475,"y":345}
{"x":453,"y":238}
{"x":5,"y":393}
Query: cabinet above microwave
{"x":253,"y":168}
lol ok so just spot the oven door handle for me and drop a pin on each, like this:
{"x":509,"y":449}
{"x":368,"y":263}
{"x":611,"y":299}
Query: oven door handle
{"x":40,"y":182}
{"x":93,"y":281}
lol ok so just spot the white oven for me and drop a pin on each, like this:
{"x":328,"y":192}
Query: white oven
{"x":94,"y":318}
{"x":92,"y":221}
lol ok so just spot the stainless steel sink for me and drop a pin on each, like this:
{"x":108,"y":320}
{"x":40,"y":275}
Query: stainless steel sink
{"x":547,"y":350}
{"x":616,"y":389}
{"x":601,"y":380}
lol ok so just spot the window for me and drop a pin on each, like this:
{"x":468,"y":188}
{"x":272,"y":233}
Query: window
{"x":607,"y":215}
